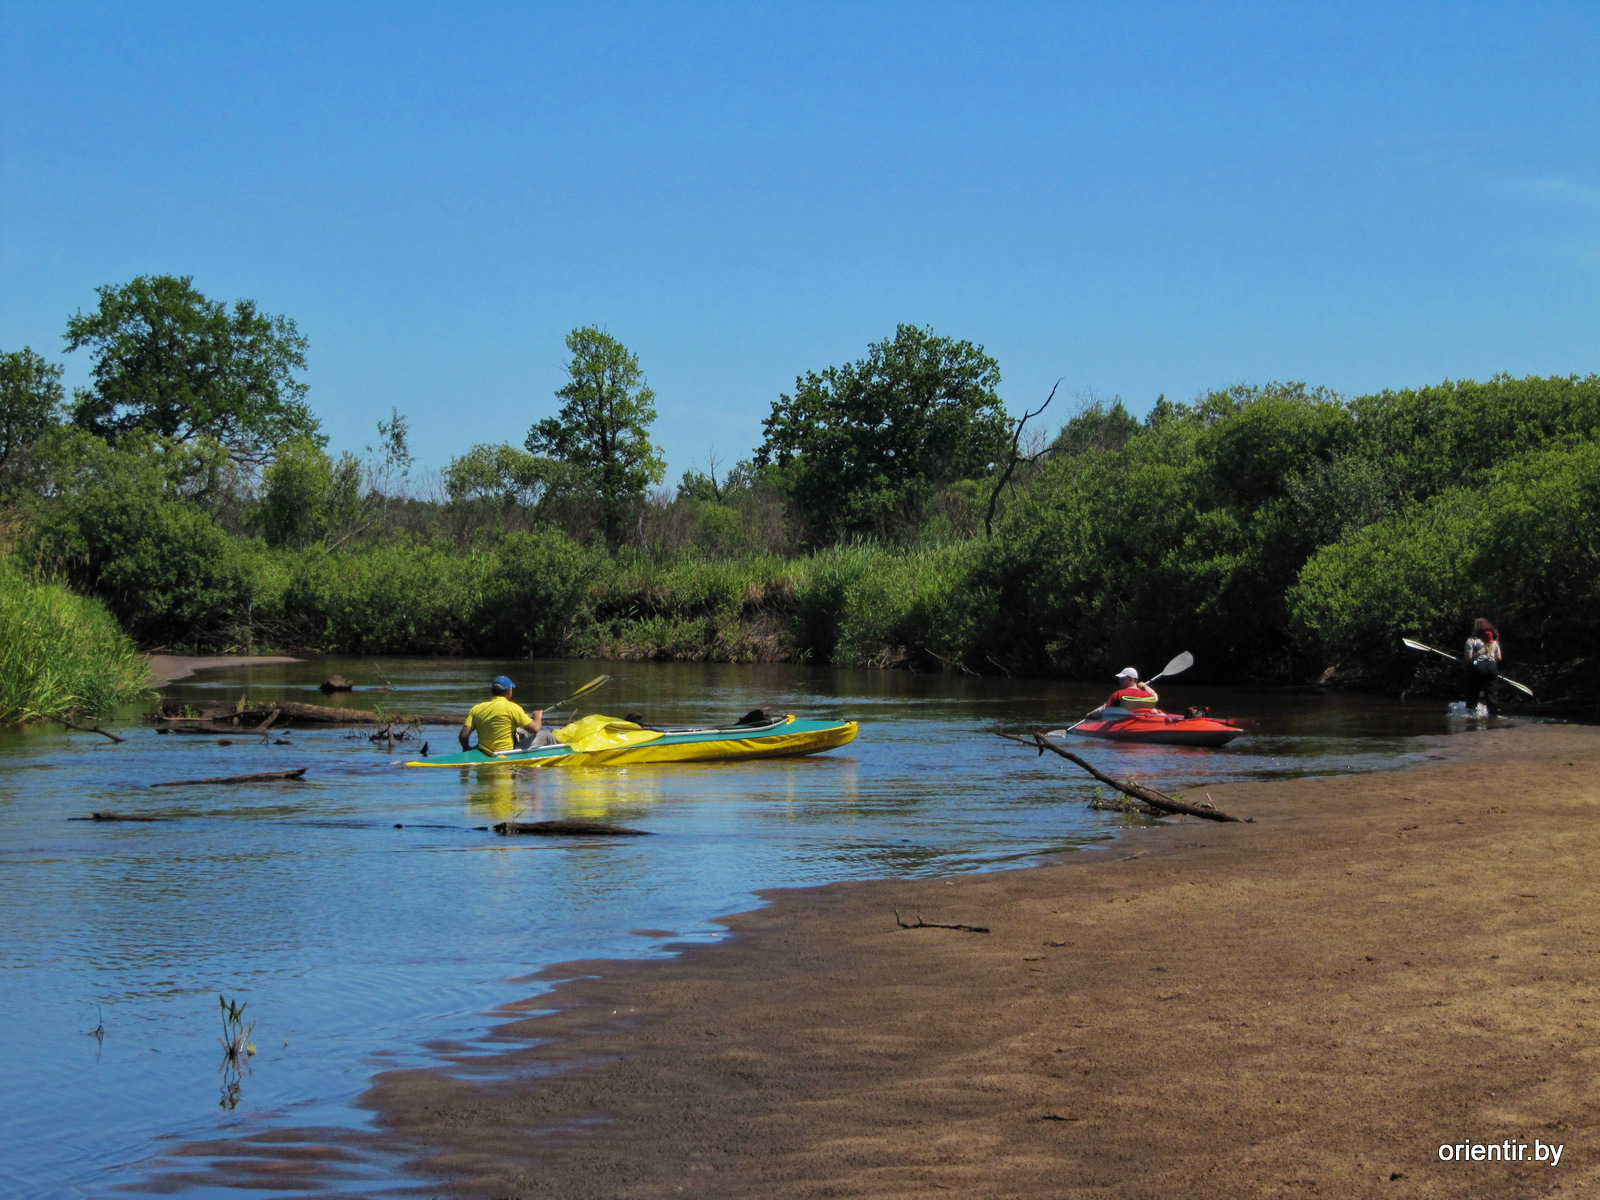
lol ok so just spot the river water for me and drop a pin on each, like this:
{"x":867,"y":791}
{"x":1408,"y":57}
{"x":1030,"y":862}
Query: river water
{"x":356,"y":945}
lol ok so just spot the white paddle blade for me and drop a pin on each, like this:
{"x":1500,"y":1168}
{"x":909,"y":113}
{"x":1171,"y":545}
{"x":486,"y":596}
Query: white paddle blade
{"x":1178,"y":665}
{"x":1413,"y":644}
{"x":1055,"y":733}
{"x":1521,"y":687}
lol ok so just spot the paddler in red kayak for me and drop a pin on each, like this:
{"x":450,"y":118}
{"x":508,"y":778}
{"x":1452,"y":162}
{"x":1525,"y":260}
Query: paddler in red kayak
{"x":1132,"y":695}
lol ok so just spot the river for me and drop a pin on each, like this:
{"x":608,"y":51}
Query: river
{"x":358,"y":946}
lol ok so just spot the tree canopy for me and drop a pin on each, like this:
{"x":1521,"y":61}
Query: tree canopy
{"x":863,"y":444}
{"x":171,"y":362}
{"x":30,"y":401}
{"x":505,"y":475}
{"x":603,"y":428}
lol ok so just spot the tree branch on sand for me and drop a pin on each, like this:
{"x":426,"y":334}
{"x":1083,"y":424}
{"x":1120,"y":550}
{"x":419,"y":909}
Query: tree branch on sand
{"x":1159,"y":801}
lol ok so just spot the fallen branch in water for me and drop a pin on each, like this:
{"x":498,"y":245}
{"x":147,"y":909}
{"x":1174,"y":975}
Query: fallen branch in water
{"x":111,"y":816}
{"x":322,"y":714}
{"x":259,"y":777}
{"x":567,"y":829}
{"x":1159,"y":801}
{"x":921,"y":924}
{"x":89,"y":729}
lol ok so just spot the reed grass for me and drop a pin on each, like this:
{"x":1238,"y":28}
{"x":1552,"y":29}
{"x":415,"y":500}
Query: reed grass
{"x":61,"y":652}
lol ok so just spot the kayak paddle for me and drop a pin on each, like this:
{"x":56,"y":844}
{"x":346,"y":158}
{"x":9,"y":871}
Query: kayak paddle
{"x":597,"y":681}
{"x":1176,"y":667}
{"x":1411,"y":644}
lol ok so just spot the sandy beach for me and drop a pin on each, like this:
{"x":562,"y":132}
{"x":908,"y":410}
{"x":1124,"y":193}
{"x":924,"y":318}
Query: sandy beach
{"x":169,"y":668}
{"x":1309,"y":1004}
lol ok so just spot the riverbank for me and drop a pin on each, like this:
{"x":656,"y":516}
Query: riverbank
{"x":1310,"y":1004}
{"x":60,"y":652}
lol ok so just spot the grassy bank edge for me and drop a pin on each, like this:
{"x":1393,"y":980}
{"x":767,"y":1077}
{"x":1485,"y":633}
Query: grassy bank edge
{"x":61,"y":652}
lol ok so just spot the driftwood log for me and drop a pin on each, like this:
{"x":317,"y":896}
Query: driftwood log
{"x":1159,"y":801}
{"x":89,"y":729}
{"x":567,"y":829}
{"x":291,"y":710}
{"x":202,"y":725}
{"x":179,"y":725}
{"x":258,"y":777}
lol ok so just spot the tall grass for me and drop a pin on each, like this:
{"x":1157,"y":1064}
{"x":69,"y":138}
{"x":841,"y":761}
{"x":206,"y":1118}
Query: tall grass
{"x":60,"y":652}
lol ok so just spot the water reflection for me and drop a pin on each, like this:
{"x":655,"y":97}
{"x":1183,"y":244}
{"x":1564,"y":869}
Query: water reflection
{"x":355,"y":942}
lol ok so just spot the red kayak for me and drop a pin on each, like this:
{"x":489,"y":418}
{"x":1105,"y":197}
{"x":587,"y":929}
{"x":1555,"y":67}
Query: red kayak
{"x":1153,"y":725}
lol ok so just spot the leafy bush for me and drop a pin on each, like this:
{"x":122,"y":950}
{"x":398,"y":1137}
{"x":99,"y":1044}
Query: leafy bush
{"x":532,"y":596}
{"x":1525,"y":550}
{"x":164,"y":567}
{"x":1434,"y":438}
{"x":397,"y":598}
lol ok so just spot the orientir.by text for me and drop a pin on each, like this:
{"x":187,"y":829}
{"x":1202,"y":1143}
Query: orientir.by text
{"x":1509,"y":1150}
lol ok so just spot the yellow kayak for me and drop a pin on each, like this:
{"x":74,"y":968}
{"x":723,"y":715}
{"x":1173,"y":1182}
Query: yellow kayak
{"x":599,"y":741}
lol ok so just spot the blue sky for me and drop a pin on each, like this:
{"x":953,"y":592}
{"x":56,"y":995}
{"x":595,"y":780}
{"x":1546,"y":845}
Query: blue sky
{"x":1136,"y":199}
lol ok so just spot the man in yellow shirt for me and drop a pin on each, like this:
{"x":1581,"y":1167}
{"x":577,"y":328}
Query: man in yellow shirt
{"x":502,"y":725}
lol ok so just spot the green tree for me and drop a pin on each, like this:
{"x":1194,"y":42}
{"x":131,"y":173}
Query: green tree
{"x":1098,"y":426}
{"x":30,"y":401}
{"x":171,"y":362}
{"x":603,"y":428}
{"x":505,"y":475}
{"x":862,"y":445}
{"x":309,"y":497}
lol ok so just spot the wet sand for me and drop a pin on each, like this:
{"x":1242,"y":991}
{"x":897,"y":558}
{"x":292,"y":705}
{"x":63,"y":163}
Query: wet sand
{"x":1309,"y":1005}
{"x":169,"y":668}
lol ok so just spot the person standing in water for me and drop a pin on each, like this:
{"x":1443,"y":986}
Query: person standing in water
{"x":1132,"y":695}
{"x":1482,"y":660}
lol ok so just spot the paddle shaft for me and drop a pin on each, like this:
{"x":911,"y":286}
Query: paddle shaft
{"x":600,"y":681}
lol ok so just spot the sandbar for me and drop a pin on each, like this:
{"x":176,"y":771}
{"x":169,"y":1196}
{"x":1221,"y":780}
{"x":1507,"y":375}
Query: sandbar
{"x":169,"y":668}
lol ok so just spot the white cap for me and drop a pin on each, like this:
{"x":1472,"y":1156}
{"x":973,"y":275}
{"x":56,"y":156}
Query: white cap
{"x":1129,"y":672}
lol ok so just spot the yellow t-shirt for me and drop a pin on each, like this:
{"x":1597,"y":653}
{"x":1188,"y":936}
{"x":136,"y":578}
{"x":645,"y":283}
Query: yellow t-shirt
{"x":496,"y":722}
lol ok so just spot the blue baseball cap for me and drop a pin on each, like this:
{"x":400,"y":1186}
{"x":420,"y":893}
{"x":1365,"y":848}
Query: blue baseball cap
{"x":500,"y":681}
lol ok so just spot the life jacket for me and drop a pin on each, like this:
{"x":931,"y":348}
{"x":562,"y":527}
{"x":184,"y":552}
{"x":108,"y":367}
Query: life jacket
{"x":1136,"y":699}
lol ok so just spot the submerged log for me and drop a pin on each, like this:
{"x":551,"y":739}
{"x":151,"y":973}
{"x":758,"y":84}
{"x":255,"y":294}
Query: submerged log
{"x":112,"y":816}
{"x":567,"y":829}
{"x":259,"y":777}
{"x":1159,"y":801}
